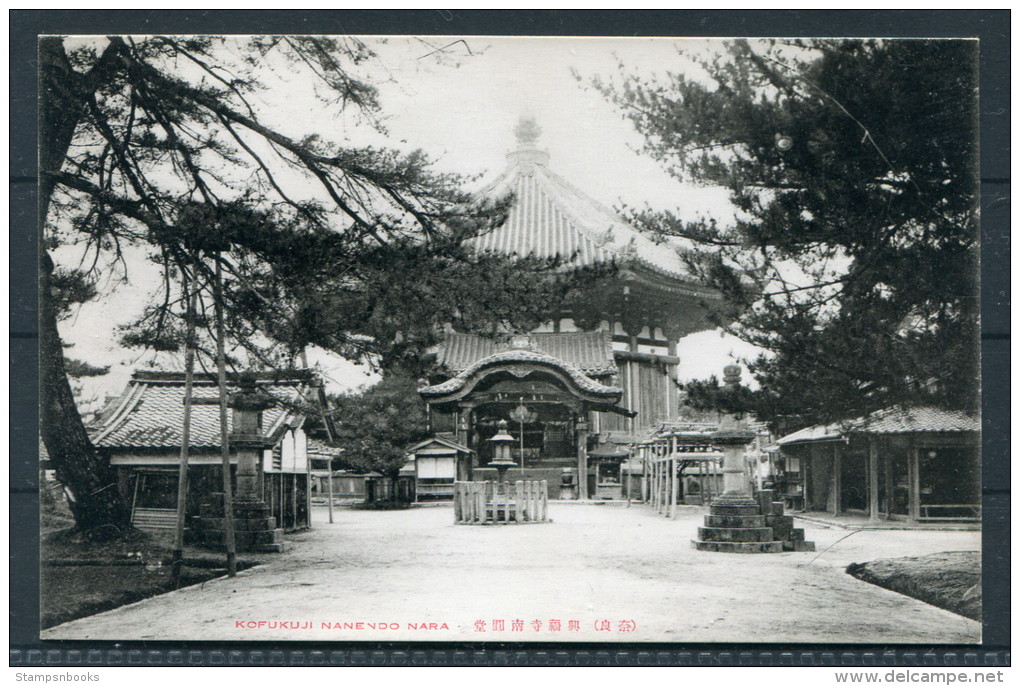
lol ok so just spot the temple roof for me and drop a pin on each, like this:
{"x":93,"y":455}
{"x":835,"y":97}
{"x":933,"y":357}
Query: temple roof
{"x":552,"y":218}
{"x":149,"y":414}
{"x":583,"y":381}
{"x":899,"y":419}
{"x":591,"y":352}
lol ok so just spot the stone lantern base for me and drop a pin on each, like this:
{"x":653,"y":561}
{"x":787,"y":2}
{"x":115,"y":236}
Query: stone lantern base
{"x":255,"y":530}
{"x":739,"y":523}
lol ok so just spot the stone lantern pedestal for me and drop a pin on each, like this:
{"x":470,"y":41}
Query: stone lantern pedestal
{"x":255,"y":529}
{"x":740,"y":520}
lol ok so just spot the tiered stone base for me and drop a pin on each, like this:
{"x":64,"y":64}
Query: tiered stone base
{"x":742,"y":524}
{"x":254,"y":530}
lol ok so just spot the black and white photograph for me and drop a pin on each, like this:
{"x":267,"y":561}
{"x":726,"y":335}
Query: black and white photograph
{"x":509,"y":339}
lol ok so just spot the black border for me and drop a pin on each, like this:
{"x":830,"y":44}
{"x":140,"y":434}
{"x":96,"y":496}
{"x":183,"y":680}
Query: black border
{"x":990,"y":26}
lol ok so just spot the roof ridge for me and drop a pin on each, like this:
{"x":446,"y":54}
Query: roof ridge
{"x":118,"y":416}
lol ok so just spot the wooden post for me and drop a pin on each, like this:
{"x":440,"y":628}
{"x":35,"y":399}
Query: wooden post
{"x":221,"y":373}
{"x":656,"y":486}
{"x":837,"y":486}
{"x":872,"y":480}
{"x":329,"y":482}
{"x":646,"y":474}
{"x":543,"y":500}
{"x":672,"y":479}
{"x":293,"y":499}
{"x":182,"y":472}
{"x":914,"y":469}
{"x":308,"y":488}
{"x":626,"y":483}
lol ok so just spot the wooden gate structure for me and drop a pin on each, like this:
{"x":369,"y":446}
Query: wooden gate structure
{"x":493,"y":502}
{"x":662,"y":459}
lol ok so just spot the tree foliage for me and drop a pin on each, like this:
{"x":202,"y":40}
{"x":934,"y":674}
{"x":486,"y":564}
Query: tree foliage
{"x":853,"y":254}
{"x":376,"y":425}
{"x":162,"y":147}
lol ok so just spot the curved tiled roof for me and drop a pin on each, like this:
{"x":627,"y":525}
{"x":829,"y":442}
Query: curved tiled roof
{"x":521,"y":355}
{"x":590,"y":352}
{"x":552,"y":218}
{"x":150,"y":413}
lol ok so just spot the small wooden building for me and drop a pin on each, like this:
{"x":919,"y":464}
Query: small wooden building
{"x":437,"y":463}
{"x":913,"y":463}
{"x":141,"y":431}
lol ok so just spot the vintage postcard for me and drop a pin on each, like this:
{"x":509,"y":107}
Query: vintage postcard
{"x":509,"y":339}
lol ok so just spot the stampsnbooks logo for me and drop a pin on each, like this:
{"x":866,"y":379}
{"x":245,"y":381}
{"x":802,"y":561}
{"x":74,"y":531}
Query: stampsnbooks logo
{"x":47,"y":678}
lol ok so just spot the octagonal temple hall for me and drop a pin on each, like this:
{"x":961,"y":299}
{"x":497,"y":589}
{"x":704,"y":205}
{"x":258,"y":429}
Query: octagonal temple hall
{"x":599,"y":373}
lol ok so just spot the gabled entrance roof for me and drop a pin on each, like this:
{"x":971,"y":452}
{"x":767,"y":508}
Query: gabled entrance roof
{"x":439,"y":442}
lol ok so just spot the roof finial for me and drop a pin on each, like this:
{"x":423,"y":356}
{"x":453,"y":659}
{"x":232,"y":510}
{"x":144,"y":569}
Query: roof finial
{"x":527,"y":131}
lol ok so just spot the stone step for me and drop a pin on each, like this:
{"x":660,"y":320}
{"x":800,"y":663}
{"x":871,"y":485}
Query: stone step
{"x":799,"y":546}
{"x":739,"y":547}
{"x":736,"y":521}
{"x":796,"y":535}
{"x":734,"y":510}
{"x":748,"y":535}
{"x":240,"y":524}
{"x":781,"y":525}
{"x":243,"y":539}
{"x":251,"y":510}
{"x":258,"y":548}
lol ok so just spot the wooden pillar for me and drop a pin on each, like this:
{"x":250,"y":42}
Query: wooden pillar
{"x":872,"y":479}
{"x":293,"y":499}
{"x":672,"y":478}
{"x":837,"y":465}
{"x":308,"y":490}
{"x":329,"y":481}
{"x":915,"y":482}
{"x":672,"y":371}
{"x":655,"y":477}
{"x":645,"y":469}
{"x":471,"y":442}
{"x":582,"y":456}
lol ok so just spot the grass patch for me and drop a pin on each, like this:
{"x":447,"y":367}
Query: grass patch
{"x":79,"y":577}
{"x":951,"y":581}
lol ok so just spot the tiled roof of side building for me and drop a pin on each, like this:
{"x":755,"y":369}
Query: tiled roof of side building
{"x":899,"y":419}
{"x":590,"y":352}
{"x":917,"y":419}
{"x":150,"y":412}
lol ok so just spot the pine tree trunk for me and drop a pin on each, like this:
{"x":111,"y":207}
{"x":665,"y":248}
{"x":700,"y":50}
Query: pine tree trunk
{"x":98,"y":508}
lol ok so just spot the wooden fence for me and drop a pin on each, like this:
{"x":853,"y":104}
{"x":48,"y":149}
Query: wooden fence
{"x":491,"y":502}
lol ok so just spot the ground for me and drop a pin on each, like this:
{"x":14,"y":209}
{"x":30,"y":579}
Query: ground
{"x":383,"y":575}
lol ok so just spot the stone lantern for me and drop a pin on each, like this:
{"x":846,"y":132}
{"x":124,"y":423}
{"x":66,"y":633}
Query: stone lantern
{"x":246,"y":438}
{"x":502,"y":444}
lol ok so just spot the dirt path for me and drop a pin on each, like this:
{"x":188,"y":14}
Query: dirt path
{"x":599,"y":566}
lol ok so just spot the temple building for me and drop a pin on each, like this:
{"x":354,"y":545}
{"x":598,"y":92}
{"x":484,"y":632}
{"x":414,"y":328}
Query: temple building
{"x":602,"y":369}
{"x":141,"y":432}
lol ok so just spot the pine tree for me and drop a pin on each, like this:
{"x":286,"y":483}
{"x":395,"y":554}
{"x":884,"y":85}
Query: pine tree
{"x":852,"y":259}
{"x":154,"y":146}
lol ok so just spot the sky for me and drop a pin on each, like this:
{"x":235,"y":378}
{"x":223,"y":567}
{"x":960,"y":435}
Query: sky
{"x":459,"y":100}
